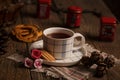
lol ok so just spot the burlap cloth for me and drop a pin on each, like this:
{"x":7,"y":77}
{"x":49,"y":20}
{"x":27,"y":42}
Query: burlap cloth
{"x":76,"y":72}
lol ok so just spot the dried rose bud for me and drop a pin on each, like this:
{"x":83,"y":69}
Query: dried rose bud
{"x":94,"y":53}
{"x":101,"y":67}
{"x":35,"y":54}
{"x":110,"y":61}
{"x":37,"y":63}
{"x":85,"y":61}
{"x":96,"y":58}
{"x":28,"y":62}
{"x":101,"y":70}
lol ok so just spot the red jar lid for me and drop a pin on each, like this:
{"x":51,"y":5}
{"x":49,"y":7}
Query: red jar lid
{"x":75,"y":9}
{"x":45,"y":1}
{"x":108,"y":20}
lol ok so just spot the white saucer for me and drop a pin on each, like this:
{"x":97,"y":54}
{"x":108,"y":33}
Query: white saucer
{"x":69,"y":61}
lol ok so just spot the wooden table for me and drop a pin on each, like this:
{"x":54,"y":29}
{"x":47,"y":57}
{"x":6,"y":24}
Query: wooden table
{"x":90,"y":25}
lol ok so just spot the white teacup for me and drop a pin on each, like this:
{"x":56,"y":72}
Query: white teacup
{"x":60,"y":41}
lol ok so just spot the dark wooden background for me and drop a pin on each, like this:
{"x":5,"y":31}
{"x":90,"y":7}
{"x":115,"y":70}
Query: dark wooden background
{"x":90,"y":24}
{"x":114,"y":6}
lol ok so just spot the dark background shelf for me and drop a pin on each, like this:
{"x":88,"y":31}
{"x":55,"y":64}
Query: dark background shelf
{"x":114,"y":6}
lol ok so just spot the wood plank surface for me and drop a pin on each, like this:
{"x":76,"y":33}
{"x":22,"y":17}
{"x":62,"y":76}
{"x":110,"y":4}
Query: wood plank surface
{"x":90,"y":24}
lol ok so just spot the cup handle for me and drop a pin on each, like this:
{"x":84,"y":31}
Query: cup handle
{"x":80,"y":42}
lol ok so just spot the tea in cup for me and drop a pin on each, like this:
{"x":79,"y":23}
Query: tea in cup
{"x":60,"y":41}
